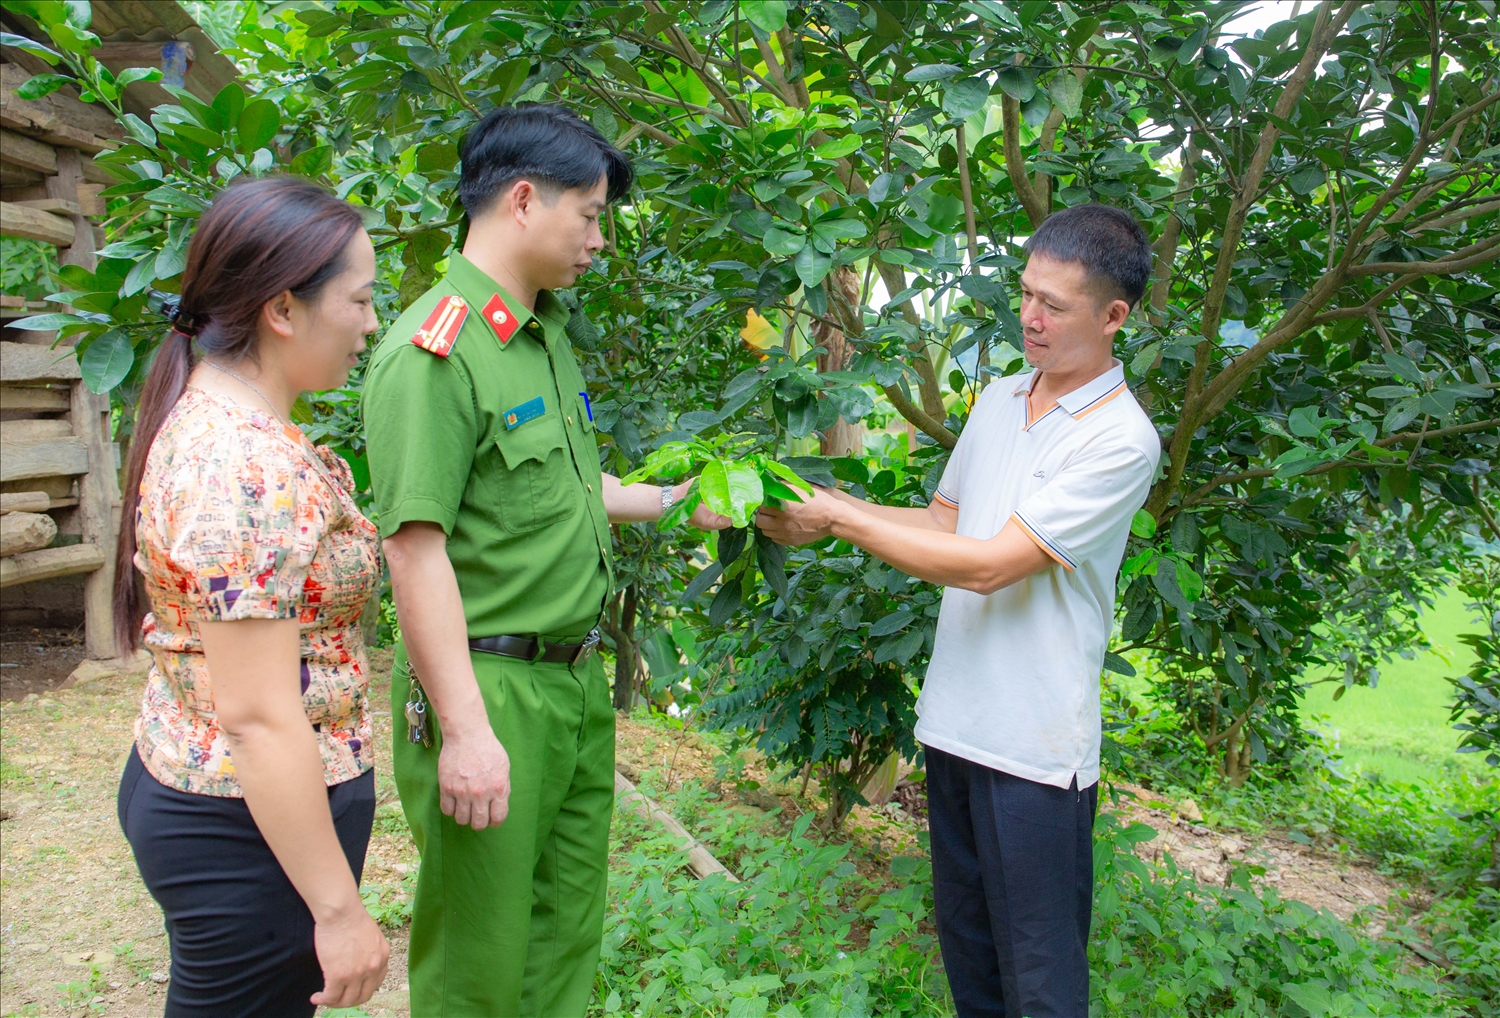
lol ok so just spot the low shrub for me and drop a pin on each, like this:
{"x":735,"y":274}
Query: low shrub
{"x":802,"y":934}
{"x":807,"y":933}
{"x":1165,"y":945}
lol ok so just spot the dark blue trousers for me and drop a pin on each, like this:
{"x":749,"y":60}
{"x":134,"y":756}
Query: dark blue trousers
{"x":1013,"y":883}
{"x":241,"y":936}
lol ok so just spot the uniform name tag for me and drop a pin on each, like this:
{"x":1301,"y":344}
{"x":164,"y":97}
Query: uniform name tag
{"x":528,"y":411}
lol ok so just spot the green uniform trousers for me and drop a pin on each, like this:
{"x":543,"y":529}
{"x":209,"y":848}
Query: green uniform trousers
{"x":508,"y":921}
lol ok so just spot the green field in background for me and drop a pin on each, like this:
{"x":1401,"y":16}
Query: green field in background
{"x":1401,"y":727}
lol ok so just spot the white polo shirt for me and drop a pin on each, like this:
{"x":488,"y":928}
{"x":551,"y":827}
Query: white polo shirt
{"x":1014,"y":679}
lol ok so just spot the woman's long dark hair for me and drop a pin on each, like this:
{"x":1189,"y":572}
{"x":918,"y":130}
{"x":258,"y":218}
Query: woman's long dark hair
{"x":259,"y":239}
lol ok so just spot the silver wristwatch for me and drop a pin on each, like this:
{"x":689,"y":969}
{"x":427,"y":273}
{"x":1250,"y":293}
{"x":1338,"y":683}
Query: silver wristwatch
{"x":666,"y":499}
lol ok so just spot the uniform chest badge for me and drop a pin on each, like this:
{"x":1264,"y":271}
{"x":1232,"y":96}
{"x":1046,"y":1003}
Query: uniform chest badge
{"x":440,"y":331}
{"x":501,"y":318}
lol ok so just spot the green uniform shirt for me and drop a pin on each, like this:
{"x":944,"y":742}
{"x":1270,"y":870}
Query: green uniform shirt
{"x":461,"y":441}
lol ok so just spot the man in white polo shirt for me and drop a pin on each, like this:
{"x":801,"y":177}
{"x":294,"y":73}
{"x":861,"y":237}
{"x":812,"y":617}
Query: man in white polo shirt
{"x":1026,"y":532}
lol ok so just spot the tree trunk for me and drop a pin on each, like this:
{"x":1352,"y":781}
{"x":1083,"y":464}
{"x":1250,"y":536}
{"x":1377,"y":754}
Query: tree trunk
{"x":844,"y":438}
{"x":620,"y":623}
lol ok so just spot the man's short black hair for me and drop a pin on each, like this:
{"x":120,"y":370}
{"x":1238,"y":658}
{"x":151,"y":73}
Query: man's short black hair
{"x":1107,"y":241}
{"x":545,"y":144}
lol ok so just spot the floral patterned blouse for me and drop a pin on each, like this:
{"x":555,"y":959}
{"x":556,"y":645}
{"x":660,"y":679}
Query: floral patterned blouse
{"x":241,"y":517}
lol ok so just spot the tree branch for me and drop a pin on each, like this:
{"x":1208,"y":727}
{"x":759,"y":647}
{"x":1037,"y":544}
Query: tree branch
{"x":932,"y":409}
{"x":783,"y":88}
{"x":1166,"y":245}
{"x":1015,"y":165}
{"x":1213,"y":740}
{"x":1466,"y":258}
{"x":934,"y":429}
{"x":690,"y":56}
{"x":799,"y":87}
{"x":1196,"y":400}
{"x":1406,"y":436}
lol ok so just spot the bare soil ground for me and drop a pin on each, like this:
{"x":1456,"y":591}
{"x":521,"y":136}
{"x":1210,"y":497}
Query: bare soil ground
{"x":79,"y":934}
{"x":1347,"y":886}
{"x":37,"y":660}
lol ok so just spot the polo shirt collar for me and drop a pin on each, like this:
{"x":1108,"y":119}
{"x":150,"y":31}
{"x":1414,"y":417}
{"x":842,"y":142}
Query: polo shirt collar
{"x":1087,"y":397}
{"x":477,"y":287}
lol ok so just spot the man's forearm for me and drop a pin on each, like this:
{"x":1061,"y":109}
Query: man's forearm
{"x":433,"y":628}
{"x":630,"y":503}
{"x":944,"y":558}
{"x":925,"y":519}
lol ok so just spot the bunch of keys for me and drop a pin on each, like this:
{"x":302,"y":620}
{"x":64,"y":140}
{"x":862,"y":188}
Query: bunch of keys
{"x":416,"y":712}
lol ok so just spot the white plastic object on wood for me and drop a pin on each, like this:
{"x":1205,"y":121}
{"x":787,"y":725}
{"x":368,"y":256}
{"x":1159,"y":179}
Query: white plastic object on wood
{"x":700,"y":859}
{"x":49,"y":563}
{"x":26,"y":532}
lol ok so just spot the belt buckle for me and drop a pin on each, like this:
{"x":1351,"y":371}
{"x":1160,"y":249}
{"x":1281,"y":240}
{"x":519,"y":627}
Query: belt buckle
{"x":588,"y":646}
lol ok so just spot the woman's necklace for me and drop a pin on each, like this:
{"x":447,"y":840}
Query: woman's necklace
{"x":247,"y":384}
{"x":317,"y":464}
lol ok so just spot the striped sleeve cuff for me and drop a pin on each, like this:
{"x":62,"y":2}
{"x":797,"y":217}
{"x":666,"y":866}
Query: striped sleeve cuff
{"x":946,"y":499}
{"x":1044,"y":541}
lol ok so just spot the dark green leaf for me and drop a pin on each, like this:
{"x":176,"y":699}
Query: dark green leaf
{"x":892,"y":623}
{"x":1017,"y":82}
{"x":42,"y":85}
{"x":703,"y":581}
{"x":258,"y":124}
{"x":107,"y":361}
{"x":966,"y":97}
{"x":932,"y":72}
{"x":772,"y":559}
{"x":726,"y":601}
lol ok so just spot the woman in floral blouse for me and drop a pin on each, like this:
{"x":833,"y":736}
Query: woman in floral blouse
{"x":249,"y":798}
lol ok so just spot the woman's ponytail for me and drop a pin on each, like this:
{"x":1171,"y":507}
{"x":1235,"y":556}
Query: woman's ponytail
{"x":165,"y":383}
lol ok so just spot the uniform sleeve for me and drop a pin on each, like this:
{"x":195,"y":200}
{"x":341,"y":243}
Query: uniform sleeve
{"x":421,"y":429}
{"x":1081,"y":512}
{"x":244,"y":525}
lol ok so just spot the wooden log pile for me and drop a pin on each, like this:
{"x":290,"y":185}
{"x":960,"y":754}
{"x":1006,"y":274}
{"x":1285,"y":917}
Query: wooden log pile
{"x":59,"y":490}
{"x":58,"y":486}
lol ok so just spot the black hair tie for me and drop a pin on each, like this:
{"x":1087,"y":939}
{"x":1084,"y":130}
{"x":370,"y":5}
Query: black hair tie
{"x":184,"y":322}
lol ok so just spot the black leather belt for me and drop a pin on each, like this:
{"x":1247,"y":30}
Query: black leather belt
{"x":526,"y":647}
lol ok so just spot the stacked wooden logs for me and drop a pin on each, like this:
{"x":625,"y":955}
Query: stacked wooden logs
{"x":58,"y":483}
{"x":57,"y":460}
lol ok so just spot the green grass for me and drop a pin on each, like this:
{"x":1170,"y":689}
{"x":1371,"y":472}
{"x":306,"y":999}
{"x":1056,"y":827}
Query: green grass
{"x":1400,"y":728}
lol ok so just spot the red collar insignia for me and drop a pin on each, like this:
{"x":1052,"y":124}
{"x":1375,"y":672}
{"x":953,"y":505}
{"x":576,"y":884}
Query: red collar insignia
{"x":498,"y":316}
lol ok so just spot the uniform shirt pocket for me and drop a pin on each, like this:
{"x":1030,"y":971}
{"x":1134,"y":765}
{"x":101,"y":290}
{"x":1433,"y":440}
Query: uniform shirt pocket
{"x":536,"y":488}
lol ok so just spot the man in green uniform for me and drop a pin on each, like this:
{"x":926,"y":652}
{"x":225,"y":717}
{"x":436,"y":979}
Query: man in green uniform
{"x":496,"y":517}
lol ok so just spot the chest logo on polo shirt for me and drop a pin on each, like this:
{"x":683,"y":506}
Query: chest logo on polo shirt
{"x":500,"y":318}
{"x":440,"y":331}
{"x":1039,"y":473}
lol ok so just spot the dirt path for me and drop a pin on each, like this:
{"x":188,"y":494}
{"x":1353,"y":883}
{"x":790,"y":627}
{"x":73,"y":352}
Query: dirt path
{"x":1347,"y":886}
